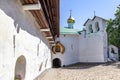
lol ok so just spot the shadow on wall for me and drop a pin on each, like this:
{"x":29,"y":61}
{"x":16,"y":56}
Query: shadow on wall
{"x":22,"y":19}
{"x":40,"y":68}
{"x":46,"y":61}
{"x":43,"y":65}
{"x":20,"y":68}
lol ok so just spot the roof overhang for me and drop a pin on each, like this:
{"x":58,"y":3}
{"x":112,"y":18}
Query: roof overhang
{"x":46,"y":14}
{"x":36,"y":6}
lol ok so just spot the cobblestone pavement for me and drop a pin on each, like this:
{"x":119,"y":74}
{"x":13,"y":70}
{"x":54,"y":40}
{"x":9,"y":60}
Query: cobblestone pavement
{"x":84,"y":72}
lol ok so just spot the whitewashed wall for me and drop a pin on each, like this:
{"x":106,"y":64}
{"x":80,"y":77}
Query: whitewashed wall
{"x":71,"y":44}
{"x":18,"y":28}
{"x":93,"y":46}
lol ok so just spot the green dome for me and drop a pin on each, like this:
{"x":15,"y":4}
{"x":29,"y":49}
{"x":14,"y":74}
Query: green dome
{"x":71,"y":20}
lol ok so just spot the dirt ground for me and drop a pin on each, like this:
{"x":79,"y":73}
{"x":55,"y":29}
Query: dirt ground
{"x":84,"y":72}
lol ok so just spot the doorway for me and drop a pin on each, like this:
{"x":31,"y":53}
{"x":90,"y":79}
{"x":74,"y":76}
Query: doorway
{"x":56,"y":63}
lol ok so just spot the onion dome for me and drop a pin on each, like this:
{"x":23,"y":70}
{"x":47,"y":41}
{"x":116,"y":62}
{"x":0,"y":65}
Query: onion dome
{"x":71,"y":19}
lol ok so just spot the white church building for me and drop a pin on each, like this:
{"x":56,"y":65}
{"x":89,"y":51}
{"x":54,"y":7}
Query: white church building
{"x":87,"y":46}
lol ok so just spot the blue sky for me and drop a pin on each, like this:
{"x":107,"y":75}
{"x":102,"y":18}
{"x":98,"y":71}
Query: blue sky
{"x":84,"y":9}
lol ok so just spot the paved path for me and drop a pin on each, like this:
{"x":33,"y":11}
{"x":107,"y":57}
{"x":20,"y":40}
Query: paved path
{"x":84,"y":72}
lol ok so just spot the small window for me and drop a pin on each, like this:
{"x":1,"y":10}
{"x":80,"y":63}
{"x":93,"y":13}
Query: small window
{"x":64,"y":35}
{"x":112,"y":50}
{"x":84,"y":33}
{"x":90,"y":28}
{"x":71,"y":46}
{"x":97,"y":26}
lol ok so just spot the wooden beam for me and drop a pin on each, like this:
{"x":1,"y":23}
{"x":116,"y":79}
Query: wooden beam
{"x":32,"y":6}
{"x":49,"y":37}
{"x":43,"y":30}
{"x":51,"y":41}
{"x":52,"y":44}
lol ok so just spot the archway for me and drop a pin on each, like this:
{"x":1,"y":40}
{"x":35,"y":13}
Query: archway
{"x":20,"y":68}
{"x":56,"y":63}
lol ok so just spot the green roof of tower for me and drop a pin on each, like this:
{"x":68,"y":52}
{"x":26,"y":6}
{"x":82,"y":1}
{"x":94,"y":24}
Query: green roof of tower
{"x":68,"y":31}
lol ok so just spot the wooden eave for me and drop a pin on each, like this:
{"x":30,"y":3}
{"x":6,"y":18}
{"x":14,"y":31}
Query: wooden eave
{"x":47,"y":17}
{"x":51,"y":11}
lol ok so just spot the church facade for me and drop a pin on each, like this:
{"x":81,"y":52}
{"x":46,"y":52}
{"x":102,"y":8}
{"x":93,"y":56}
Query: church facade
{"x":87,"y":46}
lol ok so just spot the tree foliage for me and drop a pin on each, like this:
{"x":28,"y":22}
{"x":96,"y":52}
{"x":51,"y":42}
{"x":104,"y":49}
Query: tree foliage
{"x":113,"y":29}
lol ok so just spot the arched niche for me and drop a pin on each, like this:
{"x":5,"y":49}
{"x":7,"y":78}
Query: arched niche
{"x":20,"y":68}
{"x":56,"y":63}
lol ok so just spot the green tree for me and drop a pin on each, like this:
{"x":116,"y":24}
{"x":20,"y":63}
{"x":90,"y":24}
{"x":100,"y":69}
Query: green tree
{"x":113,"y":30}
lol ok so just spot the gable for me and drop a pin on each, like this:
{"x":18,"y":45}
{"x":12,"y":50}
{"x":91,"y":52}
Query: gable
{"x":88,"y":20}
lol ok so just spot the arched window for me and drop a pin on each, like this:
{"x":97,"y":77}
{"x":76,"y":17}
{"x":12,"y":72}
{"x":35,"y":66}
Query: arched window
{"x":97,"y":26}
{"x":90,"y":28}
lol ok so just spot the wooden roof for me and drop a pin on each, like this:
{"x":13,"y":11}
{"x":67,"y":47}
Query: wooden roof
{"x":47,"y":17}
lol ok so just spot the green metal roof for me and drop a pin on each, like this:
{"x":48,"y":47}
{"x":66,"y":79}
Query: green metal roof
{"x":68,"y":31}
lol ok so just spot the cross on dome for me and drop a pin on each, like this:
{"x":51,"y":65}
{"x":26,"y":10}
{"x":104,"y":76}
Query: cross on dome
{"x":71,"y":19}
